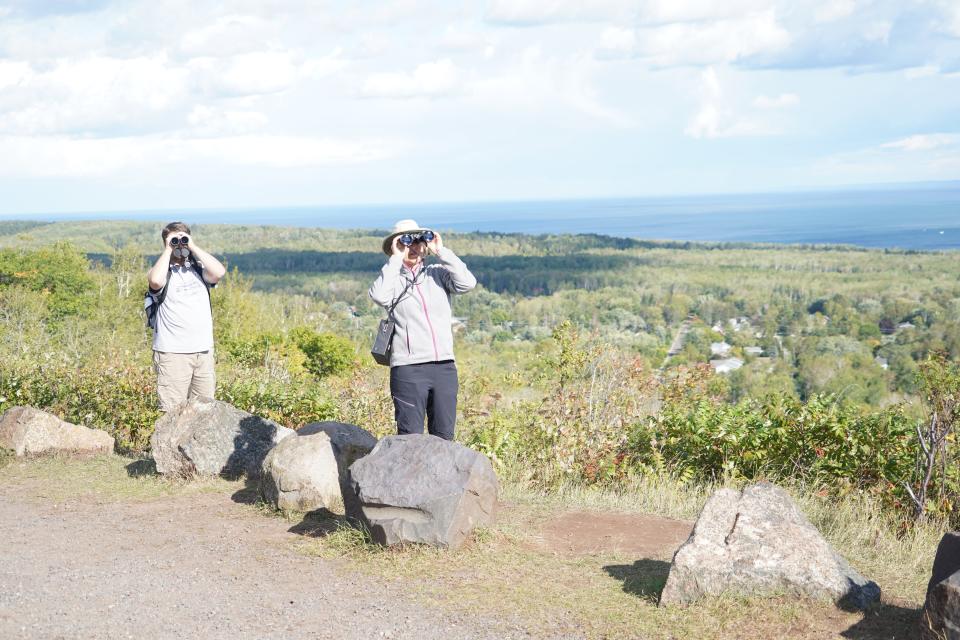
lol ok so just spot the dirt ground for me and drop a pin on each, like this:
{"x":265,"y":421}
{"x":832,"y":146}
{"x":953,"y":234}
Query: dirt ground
{"x":207,"y":564}
{"x":587,"y":532}
{"x":199,"y":566}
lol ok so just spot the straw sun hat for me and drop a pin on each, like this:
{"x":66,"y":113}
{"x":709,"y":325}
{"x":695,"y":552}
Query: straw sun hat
{"x":402,"y":227}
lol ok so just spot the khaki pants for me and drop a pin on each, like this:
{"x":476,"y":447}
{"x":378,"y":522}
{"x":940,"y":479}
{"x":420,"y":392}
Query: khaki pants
{"x":181,"y":376}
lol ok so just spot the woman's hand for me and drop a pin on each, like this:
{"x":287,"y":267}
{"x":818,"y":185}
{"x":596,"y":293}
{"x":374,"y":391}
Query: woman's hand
{"x":400,"y":249}
{"x":435,"y":245}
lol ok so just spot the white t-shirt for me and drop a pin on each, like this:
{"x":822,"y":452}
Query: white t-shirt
{"x":184,"y":321}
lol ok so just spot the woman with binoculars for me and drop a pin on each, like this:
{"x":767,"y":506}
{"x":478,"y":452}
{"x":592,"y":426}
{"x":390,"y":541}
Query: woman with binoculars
{"x":423,"y":373}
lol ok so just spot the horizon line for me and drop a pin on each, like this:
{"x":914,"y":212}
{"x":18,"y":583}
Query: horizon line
{"x":880,"y":186}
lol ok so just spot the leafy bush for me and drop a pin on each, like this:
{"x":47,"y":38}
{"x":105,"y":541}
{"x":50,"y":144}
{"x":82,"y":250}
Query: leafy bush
{"x":578,"y":429}
{"x":60,"y":271}
{"x":120,"y":400}
{"x":290,"y":403}
{"x":249,"y":351}
{"x":495,"y":439}
{"x":937,"y":480}
{"x":327,"y":353}
{"x":780,"y":437}
{"x":363,"y":399}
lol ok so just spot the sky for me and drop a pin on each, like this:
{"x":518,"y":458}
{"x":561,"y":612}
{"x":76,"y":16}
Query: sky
{"x":162,"y":104}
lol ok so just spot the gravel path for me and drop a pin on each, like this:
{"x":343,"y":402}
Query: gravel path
{"x":191,"y":567}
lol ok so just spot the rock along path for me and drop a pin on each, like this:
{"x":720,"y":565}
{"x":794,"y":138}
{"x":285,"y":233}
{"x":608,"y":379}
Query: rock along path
{"x":198,"y":566}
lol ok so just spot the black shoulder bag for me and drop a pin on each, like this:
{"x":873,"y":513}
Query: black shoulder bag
{"x":383,"y":341}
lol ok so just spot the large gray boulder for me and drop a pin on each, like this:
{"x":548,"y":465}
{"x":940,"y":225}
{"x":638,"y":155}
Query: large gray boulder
{"x":422,"y":489}
{"x":941,"y":610}
{"x":350,"y":442}
{"x":301,"y":474}
{"x":31,"y":431}
{"x":210,"y":437}
{"x":758,"y":542}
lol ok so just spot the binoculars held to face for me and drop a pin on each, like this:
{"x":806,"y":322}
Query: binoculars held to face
{"x":179,"y":240}
{"x":408,"y":239}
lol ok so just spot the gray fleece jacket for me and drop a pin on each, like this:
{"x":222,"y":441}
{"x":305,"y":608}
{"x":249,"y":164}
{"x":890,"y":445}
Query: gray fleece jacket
{"x":423,"y":316}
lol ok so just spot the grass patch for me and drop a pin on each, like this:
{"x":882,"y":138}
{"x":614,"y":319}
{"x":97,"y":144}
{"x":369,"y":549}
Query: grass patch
{"x":107,"y":478}
{"x":503,"y":572}
{"x":7,"y":456}
{"x":897,"y":557}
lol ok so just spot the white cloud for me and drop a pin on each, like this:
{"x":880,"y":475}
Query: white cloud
{"x":715,"y":119}
{"x":618,"y":42}
{"x":720,"y":41}
{"x":256,"y":73}
{"x":647,"y":12}
{"x":921,"y":72}
{"x":55,"y":156}
{"x":207,"y":120}
{"x":107,"y":95}
{"x":229,"y":35}
{"x":833,"y":10}
{"x":536,"y":12}
{"x":923,"y":142}
{"x":92,"y":94}
{"x":653,"y":12}
{"x":466,"y":41}
{"x":786,"y":35}
{"x":541,"y":84}
{"x":13,"y":73}
{"x":779,"y":102}
{"x":61,"y":156}
{"x":949,"y":21}
{"x":291,"y":151}
{"x":933,"y":156}
{"x":877,"y":31}
{"x":428,"y":80}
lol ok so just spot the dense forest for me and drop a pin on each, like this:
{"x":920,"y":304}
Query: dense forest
{"x":598,"y":356}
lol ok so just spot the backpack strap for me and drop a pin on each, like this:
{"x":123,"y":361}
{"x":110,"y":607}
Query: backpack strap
{"x":160,"y":296}
{"x":198,"y":269}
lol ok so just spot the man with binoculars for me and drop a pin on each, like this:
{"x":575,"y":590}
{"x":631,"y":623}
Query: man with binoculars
{"x":423,"y":374}
{"x":180,"y":283}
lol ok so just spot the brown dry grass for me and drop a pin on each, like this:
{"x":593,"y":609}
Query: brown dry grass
{"x":106,"y":478}
{"x":505,"y":572}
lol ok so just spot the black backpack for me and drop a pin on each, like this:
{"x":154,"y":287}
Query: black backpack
{"x":153,"y":299}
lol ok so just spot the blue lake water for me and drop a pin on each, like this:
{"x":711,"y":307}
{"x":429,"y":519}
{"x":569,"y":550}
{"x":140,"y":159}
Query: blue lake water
{"x":916,"y":217}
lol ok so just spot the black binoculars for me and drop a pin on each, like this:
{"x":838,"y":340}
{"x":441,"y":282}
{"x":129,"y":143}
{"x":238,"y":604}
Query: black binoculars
{"x":408,"y":239}
{"x":182,"y":241}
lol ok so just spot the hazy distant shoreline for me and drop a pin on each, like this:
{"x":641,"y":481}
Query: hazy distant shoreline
{"x":923,"y":218}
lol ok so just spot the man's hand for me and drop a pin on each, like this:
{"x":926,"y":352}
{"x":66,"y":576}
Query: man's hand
{"x":213,"y":269}
{"x":436,"y":245}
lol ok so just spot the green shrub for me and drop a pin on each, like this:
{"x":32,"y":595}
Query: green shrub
{"x":60,"y":271}
{"x":823,"y":441}
{"x":119,"y":399}
{"x":495,"y":438}
{"x":290,"y":403}
{"x":249,"y":351}
{"x":327,"y":353}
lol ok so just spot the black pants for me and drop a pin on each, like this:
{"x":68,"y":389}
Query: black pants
{"x":429,"y":388}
